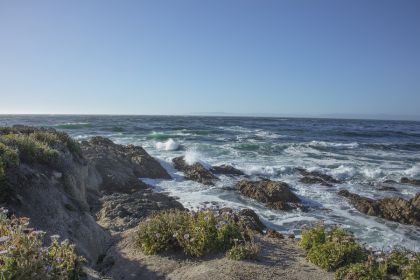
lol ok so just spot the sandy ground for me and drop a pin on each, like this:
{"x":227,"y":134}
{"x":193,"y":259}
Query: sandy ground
{"x":279,"y":259}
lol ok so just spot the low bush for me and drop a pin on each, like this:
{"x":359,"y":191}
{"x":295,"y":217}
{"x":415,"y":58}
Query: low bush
{"x":337,"y":250}
{"x":246,"y":250}
{"x":8,"y":158}
{"x":360,"y":271}
{"x":331,"y":249}
{"x":38,"y":142}
{"x":196,"y":233}
{"x":23,"y":257}
{"x":30,"y":149}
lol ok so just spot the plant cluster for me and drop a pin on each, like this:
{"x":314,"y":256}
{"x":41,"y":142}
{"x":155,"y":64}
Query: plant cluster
{"x":37,"y":144}
{"x":336,"y":250}
{"x":196,"y":233}
{"x":23,"y":257}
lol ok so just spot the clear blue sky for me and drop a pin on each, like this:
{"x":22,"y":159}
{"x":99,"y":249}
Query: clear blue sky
{"x":180,"y":57}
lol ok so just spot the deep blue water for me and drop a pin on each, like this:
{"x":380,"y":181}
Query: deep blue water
{"x":360,"y":152}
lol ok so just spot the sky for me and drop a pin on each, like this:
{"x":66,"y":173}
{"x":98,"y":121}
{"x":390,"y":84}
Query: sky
{"x":300,"y":57}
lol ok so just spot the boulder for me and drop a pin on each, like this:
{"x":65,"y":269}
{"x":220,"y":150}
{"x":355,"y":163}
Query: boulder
{"x":121,"y":211}
{"x":271,"y":233}
{"x":121,"y":166}
{"x":391,"y":208}
{"x":195,"y":172}
{"x":274,"y":194}
{"x":249,"y":219}
{"x":414,"y":182}
{"x":317,"y":177}
{"x":310,"y":180}
{"x":226,"y":170}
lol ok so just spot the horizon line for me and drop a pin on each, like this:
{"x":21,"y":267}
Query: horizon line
{"x":339,"y":116}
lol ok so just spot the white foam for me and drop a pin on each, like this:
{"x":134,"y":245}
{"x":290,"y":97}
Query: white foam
{"x":352,"y":145}
{"x":343,"y":172}
{"x":267,"y":134}
{"x":169,"y":145}
{"x":413,"y":171}
{"x":372,"y":173}
{"x":260,"y":170}
{"x":192,"y":156}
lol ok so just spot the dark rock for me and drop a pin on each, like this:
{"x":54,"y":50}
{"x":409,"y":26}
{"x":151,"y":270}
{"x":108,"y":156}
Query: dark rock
{"x":314,"y":180}
{"x":121,"y":166}
{"x":274,"y":194}
{"x":363,"y":204}
{"x":122,"y":211}
{"x":271,"y":233}
{"x":320,"y":176}
{"x":195,"y":172}
{"x":387,"y":188}
{"x":390,"y":208}
{"x":226,"y":170}
{"x":391,"y":182}
{"x":249,"y":219}
{"x":410,"y":181}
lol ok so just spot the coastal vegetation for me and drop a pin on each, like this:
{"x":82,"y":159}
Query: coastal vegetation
{"x":196,"y":234}
{"x":337,"y":250}
{"x":23,"y":256}
{"x":35,"y":145}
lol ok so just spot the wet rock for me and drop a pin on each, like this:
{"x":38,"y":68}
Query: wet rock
{"x":122,"y":211}
{"x":274,"y":194}
{"x":226,"y":170}
{"x":195,"y":172}
{"x":410,"y":181}
{"x":391,"y":182}
{"x":387,"y":188}
{"x":121,"y":166}
{"x":271,"y":233}
{"x":363,"y":204}
{"x":391,"y":208}
{"x":314,"y":180}
{"x":316,"y":175}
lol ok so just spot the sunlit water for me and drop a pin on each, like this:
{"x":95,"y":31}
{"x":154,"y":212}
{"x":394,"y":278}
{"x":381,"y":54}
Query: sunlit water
{"x":360,"y":152}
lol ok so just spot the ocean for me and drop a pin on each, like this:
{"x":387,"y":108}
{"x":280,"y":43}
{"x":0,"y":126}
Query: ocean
{"x":359,"y":152}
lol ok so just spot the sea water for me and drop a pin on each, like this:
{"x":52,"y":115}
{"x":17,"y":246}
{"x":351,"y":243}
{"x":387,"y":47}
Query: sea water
{"x":359,"y":152}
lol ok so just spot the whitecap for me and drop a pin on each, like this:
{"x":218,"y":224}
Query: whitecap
{"x":169,"y":145}
{"x":414,"y":171}
{"x":343,"y":172}
{"x":324,"y":144}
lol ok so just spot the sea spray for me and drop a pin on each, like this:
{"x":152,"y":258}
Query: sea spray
{"x":169,"y":145}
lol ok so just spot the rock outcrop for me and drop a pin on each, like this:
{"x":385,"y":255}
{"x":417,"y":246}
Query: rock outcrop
{"x":226,"y":170}
{"x":274,"y":194}
{"x":316,"y":177}
{"x":121,"y":211}
{"x":410,"y":181}
{"x":391,"y":208}
{"x":195,"y":172}
{"x":121,"y":166}
{"x":55,"y":194}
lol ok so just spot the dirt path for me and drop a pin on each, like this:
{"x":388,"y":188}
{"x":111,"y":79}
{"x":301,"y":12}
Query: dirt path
{"x":279,"y":259}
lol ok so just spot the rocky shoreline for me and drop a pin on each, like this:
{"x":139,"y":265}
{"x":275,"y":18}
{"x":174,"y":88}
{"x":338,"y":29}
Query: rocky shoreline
{"x":94,"y":198}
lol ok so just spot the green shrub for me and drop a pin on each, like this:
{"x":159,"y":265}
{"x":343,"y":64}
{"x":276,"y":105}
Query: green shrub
{"x":394,"y":263}
{"x":159,"y":232}
{"x":359,"y":271}
{"x":8,"y":158}
{"x":247,"y":250}
{"x":30,"y":149}
{"x":196,"y":234}
{"x":412,"y":270}
{"x":333,"y":249}
{"x":49,"y":137}
{"x":23,"y":257}
{"x":312,"y":237}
